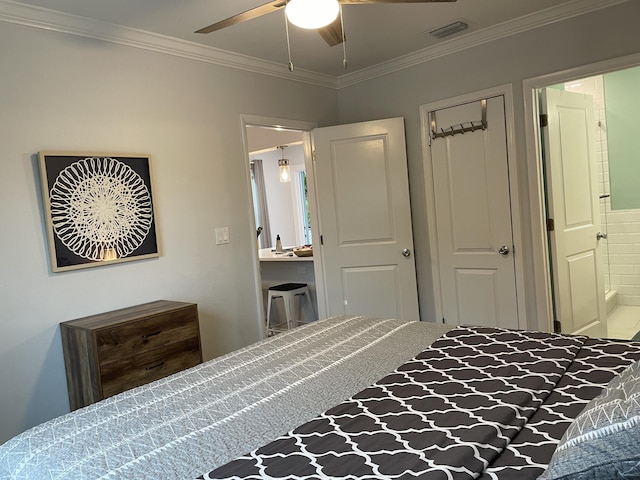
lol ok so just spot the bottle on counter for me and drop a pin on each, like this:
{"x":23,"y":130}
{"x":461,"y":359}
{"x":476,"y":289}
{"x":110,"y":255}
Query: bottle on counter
{"x":278,"y":244}
{"x":258,"y":231}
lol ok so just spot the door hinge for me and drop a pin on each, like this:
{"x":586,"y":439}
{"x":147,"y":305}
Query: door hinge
{"x":557,"y":327}
{"x":313,"y":155}
{"x":544,"y":120}
{"x":551,"y":225}
{"x":321,"y":240}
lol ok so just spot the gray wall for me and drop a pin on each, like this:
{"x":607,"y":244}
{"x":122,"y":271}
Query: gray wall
{"x":62,"y":92}
{"x":587,"y":39}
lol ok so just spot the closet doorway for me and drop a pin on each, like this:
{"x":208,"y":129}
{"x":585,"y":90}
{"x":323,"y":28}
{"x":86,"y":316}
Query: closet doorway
{"x":472,"y":209}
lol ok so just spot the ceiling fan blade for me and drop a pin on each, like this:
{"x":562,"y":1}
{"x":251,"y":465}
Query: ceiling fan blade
{"x":362,"y":2}
{"x":332,"y":33}
{"x":244,"y":16}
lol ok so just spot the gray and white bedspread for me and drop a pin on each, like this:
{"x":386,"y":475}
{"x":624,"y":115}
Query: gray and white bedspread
{"x":199,"y":419}
{"x":480,"y":402}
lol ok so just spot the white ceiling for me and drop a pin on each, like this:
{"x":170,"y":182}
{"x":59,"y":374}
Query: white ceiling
{"x":376,"y":33}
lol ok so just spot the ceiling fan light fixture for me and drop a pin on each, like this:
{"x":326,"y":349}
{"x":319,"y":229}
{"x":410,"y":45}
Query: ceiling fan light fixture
{"x":312,"y":14}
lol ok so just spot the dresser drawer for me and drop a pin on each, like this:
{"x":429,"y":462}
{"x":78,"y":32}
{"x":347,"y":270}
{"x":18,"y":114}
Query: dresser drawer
{"x":148,"y":366}
{"x":131,"y":338}
{"x":111,"y":352}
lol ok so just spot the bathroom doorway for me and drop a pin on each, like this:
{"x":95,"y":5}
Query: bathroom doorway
{"x":609,"y":85}
{"x":620,"y":220}
{"x":281,"y":212}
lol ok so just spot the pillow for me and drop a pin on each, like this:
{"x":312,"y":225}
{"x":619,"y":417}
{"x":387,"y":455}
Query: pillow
{"x":603,"y":442}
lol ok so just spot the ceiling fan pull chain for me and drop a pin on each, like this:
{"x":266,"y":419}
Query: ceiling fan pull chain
{"x":345,"y":64}
{"x":286,"y":27}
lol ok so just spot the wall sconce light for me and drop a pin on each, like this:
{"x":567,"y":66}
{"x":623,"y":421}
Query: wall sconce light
{"x":283,"y":164}
{"x":312,"y":13}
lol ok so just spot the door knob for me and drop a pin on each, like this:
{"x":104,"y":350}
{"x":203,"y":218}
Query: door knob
{"x":600,"y":236}
{"x":503,"y":250}
{"x":406,"y":252}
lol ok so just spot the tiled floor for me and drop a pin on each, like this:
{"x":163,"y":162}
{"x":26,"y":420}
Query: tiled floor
{"x":623,"y":322}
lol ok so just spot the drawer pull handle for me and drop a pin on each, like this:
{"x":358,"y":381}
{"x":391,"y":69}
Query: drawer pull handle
{"x":157,"y":365}
{"x":149,"y":335}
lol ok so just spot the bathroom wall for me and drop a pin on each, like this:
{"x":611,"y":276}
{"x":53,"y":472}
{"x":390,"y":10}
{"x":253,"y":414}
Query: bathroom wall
{"x":622,"y":106}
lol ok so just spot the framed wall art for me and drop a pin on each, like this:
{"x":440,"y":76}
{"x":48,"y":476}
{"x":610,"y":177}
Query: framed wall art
{"x":98,"y":208}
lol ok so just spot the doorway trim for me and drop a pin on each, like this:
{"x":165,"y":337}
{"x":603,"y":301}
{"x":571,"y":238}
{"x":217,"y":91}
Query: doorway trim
{"x":507,"y":92}
{"x":537,"y":201}
{"x":305,"y":127}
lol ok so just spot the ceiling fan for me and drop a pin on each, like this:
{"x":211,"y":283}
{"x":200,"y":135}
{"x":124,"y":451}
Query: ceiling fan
{"x":329,"y":28}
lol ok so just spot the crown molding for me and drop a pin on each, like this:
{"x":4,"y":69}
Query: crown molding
{"x":47,"y":19}
{"x":52,"y":20}
{"x":479,"y":37}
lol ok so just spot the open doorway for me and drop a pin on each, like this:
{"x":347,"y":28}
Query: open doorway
{"x":281,"y":209}
{"x":616,"y":100}
{"x":619,"y":209}
{"x":358,"y":190}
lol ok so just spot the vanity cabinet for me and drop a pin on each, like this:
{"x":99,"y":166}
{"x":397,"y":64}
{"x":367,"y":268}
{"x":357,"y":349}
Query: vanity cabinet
{"x":111,"y":352}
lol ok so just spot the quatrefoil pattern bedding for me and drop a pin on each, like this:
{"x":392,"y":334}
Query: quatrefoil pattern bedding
{"x":478,"y":402}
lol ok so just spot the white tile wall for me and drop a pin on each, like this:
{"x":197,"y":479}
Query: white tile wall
{"x":622,"y":249}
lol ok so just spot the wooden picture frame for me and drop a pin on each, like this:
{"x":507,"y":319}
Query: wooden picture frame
{"x":98,"y":208}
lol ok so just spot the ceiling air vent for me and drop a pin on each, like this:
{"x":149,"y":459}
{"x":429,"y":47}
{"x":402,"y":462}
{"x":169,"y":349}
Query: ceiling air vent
{"x":450,"y":29}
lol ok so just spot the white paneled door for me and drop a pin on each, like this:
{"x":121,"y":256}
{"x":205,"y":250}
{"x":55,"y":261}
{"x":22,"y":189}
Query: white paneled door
{"x":364,"y":215}
{"x":573,"y":204}
{"x":470,"y":176}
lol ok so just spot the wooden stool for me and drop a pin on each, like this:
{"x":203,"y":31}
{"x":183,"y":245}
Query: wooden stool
{"x":288,"y":292}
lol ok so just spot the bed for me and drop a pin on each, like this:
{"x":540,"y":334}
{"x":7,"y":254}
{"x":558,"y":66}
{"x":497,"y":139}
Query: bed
{"x":362,"y":398}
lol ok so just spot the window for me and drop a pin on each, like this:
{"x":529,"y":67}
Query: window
{"x":303,"y":205}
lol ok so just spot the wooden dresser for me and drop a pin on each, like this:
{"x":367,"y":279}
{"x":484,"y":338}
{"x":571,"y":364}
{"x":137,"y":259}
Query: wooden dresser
{"x":112,"y":352}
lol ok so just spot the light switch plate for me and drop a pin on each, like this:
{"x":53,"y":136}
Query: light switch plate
{"x":222,"y":235}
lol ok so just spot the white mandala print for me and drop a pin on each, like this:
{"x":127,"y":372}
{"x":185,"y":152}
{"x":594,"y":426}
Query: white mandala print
{"x":100,"y":208}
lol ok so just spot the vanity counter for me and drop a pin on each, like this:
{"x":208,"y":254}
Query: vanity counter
{"x":269,"y":255}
